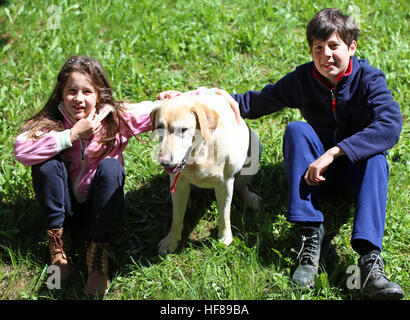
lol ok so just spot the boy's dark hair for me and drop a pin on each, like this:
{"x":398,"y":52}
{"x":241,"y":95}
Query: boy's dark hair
{"x":327,"y":21}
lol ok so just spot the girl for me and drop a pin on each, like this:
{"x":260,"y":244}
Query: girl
{"x":74,"y":146}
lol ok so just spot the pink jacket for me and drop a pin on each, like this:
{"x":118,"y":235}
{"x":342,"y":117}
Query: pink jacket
{"x":79,"y":156}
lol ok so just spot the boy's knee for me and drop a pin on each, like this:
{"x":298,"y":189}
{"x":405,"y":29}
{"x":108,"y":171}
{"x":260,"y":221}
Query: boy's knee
{"x":377,"y":164}
{"x":379,"y":160}
{"x":297,"y":130}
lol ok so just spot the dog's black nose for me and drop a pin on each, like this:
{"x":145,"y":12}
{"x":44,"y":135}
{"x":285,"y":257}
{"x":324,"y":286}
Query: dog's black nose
{"x":165,"y":159}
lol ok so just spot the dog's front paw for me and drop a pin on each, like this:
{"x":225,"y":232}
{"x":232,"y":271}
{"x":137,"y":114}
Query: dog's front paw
{"x":226,"y":237}
{"x":168,"y":245}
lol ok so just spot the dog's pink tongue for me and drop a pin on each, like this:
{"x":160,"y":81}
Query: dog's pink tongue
{"x":169,"y":171}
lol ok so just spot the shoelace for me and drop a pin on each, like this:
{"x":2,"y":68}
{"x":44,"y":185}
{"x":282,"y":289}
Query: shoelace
{"x":58,"y":242}
{"x":97,"y":259}
{"x":307,"y":253}
{"x":377,"y":269}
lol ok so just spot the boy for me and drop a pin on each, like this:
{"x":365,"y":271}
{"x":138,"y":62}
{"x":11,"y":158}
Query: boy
{"x":351,"y":122}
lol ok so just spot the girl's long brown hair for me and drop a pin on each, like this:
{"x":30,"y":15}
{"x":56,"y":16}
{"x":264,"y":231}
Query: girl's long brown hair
{"x":49,"y":118}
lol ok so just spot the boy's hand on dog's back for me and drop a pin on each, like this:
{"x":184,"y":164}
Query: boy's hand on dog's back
{"x":234,"y":105}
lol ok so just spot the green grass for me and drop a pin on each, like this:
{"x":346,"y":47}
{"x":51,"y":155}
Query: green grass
{"x":150,"y":46}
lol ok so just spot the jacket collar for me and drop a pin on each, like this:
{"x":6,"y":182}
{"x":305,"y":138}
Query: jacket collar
{"x":104,"y":111}
{"x":326,"y":83}
{"x":65,"y":114}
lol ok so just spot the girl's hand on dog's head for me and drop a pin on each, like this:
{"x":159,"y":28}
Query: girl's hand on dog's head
{"x":164,"y":95}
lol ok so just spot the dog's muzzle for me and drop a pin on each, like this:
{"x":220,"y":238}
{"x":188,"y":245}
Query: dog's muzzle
{"x":177,"y":168}
{"x":174,"y":169}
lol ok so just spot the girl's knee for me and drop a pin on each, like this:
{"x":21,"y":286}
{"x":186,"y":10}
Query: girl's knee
{"x":49,"y":167}
{"x":111,"y":169}
{"x":110,"y":164}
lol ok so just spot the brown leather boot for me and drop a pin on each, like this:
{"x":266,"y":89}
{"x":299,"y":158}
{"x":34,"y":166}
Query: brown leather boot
{"x":97,"y":264}
{"x":58,"y":250}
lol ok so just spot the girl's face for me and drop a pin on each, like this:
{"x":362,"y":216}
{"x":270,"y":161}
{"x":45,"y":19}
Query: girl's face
{"x":79,"y":96}
{"x":331,"y":56}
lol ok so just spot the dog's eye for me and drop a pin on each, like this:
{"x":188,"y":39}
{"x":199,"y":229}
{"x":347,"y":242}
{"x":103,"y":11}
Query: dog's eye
{"x":180,"y":131}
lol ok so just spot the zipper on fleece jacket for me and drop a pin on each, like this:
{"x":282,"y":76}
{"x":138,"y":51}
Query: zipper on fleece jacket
{"x":103,"y":112}
{"x":332,"y":92}
{"x":83,"y":147}
{"x":325,"y":84}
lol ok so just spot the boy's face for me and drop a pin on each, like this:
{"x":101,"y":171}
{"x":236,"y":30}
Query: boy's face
{"x":331,"y":56}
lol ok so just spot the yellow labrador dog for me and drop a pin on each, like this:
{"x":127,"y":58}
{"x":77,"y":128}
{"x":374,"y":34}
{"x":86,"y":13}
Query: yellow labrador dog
{"x":201,"y":143}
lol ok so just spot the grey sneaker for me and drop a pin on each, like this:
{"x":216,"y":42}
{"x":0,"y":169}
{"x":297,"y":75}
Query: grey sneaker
{"x":375,"y":284}
{"x":308,"y":255}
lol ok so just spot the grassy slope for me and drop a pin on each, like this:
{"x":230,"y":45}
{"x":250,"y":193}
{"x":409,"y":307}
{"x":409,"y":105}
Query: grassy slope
{"x":149,"y":46}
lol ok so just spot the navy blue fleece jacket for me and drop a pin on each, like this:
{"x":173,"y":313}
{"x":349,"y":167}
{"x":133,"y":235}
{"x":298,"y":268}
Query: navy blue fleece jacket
{"x":359,"y":115}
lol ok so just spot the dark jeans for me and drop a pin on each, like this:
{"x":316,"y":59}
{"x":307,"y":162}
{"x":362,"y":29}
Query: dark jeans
{"x":104,"y":203}
{"x":366,"y":180}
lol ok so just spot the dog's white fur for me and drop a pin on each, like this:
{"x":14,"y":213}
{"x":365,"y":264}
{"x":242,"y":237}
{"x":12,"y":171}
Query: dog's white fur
{"x":202,"y":131}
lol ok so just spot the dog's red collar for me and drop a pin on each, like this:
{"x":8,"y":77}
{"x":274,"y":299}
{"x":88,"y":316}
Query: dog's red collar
{"x":175,"y":182}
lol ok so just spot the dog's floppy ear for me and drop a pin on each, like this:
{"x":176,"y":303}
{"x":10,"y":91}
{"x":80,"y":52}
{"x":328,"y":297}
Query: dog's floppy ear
{"x":207,"y":119}
{"x":152,"y":117}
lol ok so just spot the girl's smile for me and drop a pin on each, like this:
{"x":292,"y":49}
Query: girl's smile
{"x":79,"y":96}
